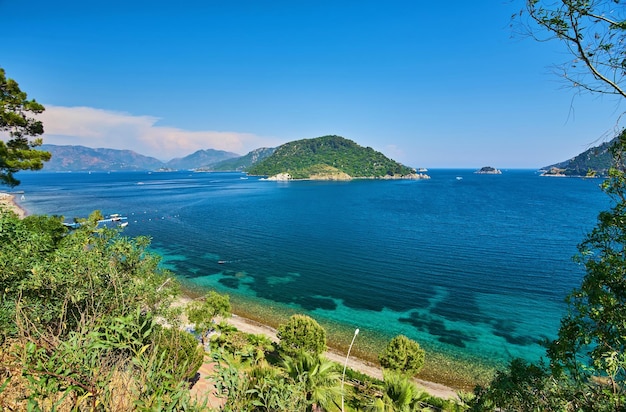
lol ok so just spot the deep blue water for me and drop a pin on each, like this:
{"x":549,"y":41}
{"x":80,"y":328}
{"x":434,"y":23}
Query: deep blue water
{"x":477,"y":266}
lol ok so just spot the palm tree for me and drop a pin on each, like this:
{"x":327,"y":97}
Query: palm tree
{"x":321,"y":379}
{"x":399,"y":394}
{"x":261,"y":344}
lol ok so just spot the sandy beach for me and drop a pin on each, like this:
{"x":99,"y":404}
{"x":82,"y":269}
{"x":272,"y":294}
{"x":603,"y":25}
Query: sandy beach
{"x":368,"y":368}
{"x":7,"y":201}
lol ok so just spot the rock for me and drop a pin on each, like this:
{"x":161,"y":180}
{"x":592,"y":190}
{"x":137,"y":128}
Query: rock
{"x":280,"y":177}
{"x":488,"y":170}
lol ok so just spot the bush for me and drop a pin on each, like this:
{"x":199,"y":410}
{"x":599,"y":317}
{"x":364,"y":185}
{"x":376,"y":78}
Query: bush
{"x":183,"y":354}
{"x":403,"y":355}
{"x":302,"y":333}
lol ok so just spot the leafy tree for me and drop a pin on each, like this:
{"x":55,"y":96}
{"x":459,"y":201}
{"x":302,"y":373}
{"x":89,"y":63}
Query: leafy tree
{"x":587,"y":361}
{"x":523,"y":387}
{"x":301,"y":333}
{"x":18,"y":152}
{"x":403,"y":355}
{"x":201,"y":313}
{"x":594,"y":34}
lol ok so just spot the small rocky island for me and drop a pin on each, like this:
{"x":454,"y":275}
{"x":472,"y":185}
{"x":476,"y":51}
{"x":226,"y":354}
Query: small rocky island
{"x":488,"y":170}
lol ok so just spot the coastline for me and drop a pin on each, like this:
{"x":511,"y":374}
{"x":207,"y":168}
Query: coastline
{"x":357,"y":364}
{"x":366,"y":367}
{"x":7,"y":202}
{"x":254,"y":325}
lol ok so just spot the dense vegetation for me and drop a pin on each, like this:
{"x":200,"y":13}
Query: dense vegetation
{"x":307,"y":157}
{"x":80,"y":321}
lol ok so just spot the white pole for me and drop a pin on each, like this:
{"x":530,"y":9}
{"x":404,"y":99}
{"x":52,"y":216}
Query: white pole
{"x":343,"y":376}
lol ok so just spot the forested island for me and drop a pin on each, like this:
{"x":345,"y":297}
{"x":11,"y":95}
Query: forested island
{"x":329,"y":158}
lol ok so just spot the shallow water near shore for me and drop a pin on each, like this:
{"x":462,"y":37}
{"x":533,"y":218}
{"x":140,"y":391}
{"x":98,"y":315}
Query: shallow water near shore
{"x":475,"y":269}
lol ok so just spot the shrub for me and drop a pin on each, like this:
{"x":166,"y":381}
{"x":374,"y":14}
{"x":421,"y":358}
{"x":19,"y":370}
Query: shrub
{"x":403,"y":355}
{"x":302,"y":333}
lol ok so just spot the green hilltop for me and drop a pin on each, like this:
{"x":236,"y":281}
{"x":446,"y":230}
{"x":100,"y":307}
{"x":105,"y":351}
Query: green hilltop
{"x":329,"y":157}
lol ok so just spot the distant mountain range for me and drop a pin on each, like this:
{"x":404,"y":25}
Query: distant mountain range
{"x":329,"y":156}
{"x":81,"y":158}
{"x":326,"y":157}
{"x":592,"y":162}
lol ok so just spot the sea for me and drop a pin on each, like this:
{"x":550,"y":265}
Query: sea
{"x":474,"y":267}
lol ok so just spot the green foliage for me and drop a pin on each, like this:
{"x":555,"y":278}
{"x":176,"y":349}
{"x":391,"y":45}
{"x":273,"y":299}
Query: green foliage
{"x":523,"y":387}
{"x":18,"y":153}
{"x":260,"y":389}
{"x":398,"y":394}
{"x":78,"y":308}
{"x":302,"y":158}
{"x":306,"y":382}
{"x":181,"y":353}
{"x":591,"y":343}
{"x":301,"y":333}
{"x":201,"y":313}
{"x":61,"y":282}
{"x":114,"y":368}
{"x":403,"y":355}
{"x":321,"y":379}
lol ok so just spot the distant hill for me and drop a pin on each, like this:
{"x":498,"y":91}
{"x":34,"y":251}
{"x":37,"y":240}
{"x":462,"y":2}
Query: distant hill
{"x":595,"y":161}
{"x":200,"y":159}
{"x":242,"y":163}
{"x":81,"y":158}
{"x":328,"y":157}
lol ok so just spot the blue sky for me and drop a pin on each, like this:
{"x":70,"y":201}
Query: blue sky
{"x":430,"y":84}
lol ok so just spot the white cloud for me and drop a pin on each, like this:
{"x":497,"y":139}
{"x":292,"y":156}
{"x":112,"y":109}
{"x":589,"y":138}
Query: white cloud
{"x":92,"y":127}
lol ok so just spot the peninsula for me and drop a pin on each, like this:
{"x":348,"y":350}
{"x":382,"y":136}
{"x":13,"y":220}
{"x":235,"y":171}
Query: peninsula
{"x":330,"y":158}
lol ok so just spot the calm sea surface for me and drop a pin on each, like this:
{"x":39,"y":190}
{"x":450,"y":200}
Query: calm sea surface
{"x":473,"y":266}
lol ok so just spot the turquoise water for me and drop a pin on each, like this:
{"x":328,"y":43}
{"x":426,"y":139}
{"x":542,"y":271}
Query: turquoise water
{"x":476,"y":267}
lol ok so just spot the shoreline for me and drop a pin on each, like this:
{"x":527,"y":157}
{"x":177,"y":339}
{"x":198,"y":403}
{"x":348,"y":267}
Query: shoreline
{"x":366,"y":367}
{"x":357,"y":364}
{"x":250,"y":325}
{"x":7,"y":202}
